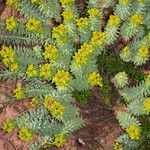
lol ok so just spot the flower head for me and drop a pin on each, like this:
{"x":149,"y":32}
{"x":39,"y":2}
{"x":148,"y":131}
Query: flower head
{"x":125,"y":2}
{"x":59,"y":31}
{"x":14,"y":67}
{"x":11,"y":23}
{"x":98,"y":38}
{"x":25,"y":134}
{"x":118,"y":146}
{"x":67,"y":15}
{"x":59,"y":140}
{"x":55,"y":108}
{"x":95,"y":79}
{"x":51,"y":52}
{"x":87,"y":48}
{"x":80,"y":57}
{"x":45,"y":71}
{"x":114,"y":20}
{"x":8,"y":125}
{"x":147,"y":104}
{"x":136,"y":19}
{"x":31,"y":71}
{"x":19,"y":94}
{"x":82,"y":22}
{"x":134,"y":131}
{"x":62,"y":79}
{"x":94,"y":12}
{"x":67,"y":2}
{"x":34,"y":25}
{"x":143,"y":51}
{"x":12,"y":2}
{"x":34,"y":102}
{"x":126,"y":51}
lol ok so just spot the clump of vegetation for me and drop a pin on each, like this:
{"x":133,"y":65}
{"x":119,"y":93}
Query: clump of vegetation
{"x":65,"y":59}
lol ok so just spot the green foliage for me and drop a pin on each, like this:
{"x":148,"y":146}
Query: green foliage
{"x":82,"y":97}
{"x":59,"y":56}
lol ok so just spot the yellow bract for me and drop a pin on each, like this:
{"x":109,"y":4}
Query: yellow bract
{"x":55,"y":108}
{"x":34,"y":25}
{"x":126,"y":51}
{"x":98,"y":38}
{"x":14,"y":67}
{"x":82,"y":22}
{"x":45,"y":71}
{"x":34,"y":102}
{"x":66,"y":2}
{"x":137,"y":19}
{"x":9,"y":58}
{"x":118,"y":146}
{"x":114,"y":20}
{"x":31,"y":71}
{"x":95,"y":79}
{"x":25,"y":134}
{"x":11,"y":23}
{"x":19,"y":94}
{"x":51,"y":52}
{"x":59,"y":31}
{"x":62,"y":79}
{"x":59,"y":140}
{"x":8,"y":125}
{"x":147,"y":104}
{"x":143,"y":52}
{"x":68,"y":15}
{"x":125,"y":2}
{"x":94,"y":12}
{"x":134,"y":131}
{"x":81,"y":57}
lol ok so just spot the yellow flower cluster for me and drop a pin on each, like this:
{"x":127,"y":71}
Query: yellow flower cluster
{"x":125,"y":2}
{"x":9,"y":58}
{"x":126,"y":51}
{"x":11,"y":23}
{"x":25,"y":134}
{"x":31,"y":71}
{"x":19,"y":94}
{"x":67,"y":15}
{"x":143,"y":51}
{"x":117,"y":146}
{"x":134,"y":131}
{"x":67,"y":2}
{"x":95,"y":79}
{"x":34,"y":25}
{"x":34,"y":102}
{"x":98,"y":38}
{"x":60,"y":33}
{"x":94,"y":12}
{"x":136,"y":19}
{"x":147,"y":104}
{"x":59,"y":140}
{"x":45,"y":71}
{"x":81,"y":57}
{"x":82,"y":22}
{"x":8,"y":125}
{"x":12,"y":2}
{"x":51,"y":52}
{"x":55,"y":108}
{"x":62,"y":79}
{"x":113,"y":20}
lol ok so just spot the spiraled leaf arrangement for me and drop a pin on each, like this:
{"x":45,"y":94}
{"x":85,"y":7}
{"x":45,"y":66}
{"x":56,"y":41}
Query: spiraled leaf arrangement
{"x":55,"y":59}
